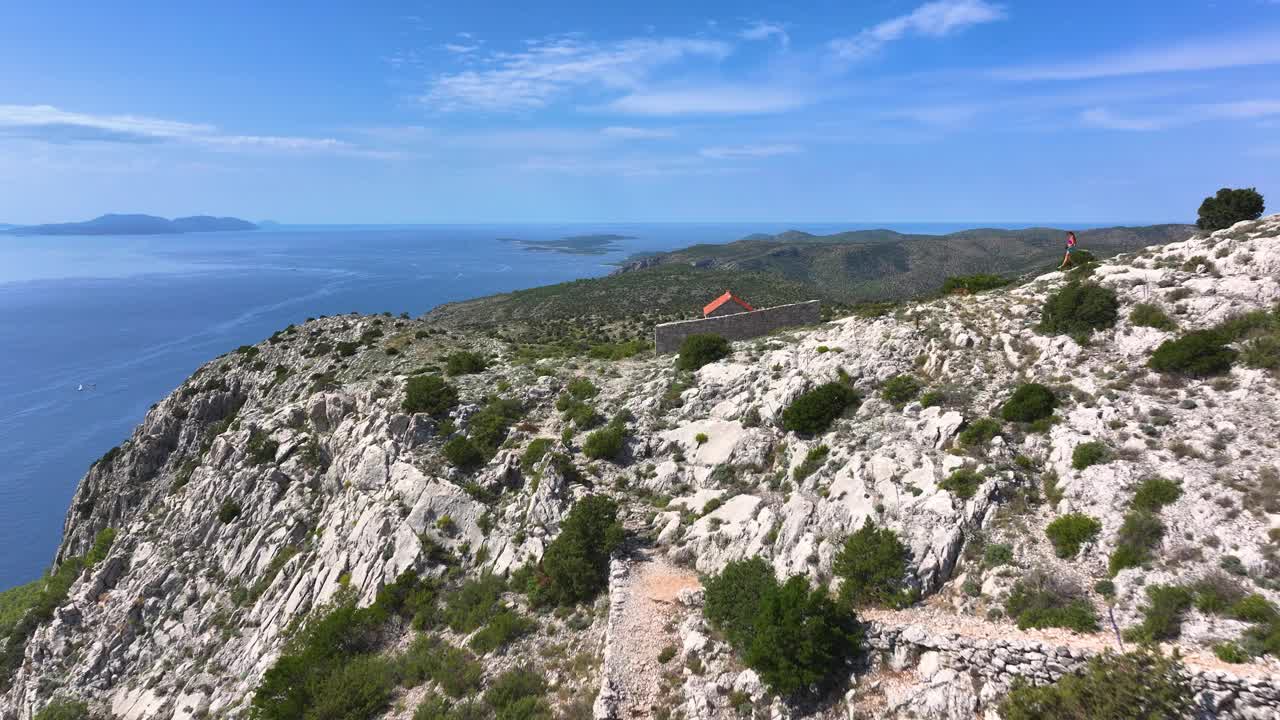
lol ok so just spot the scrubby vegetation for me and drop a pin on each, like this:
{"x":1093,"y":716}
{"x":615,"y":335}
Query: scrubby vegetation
{"x":464,"y":362}
{"x":813,"y":412}
{"x":1228,"y":207}
{"x":25,"y":608}
{"x":1199,"y":353}
{"x":1069,"y":532}
{"x":1150,"y":315}
{"x":608,"y":442}
{"x":1162,"y":616}
{"x":1138,"y":536}
{"x":1030,"y":402}
{"x":872,"y":567}
{"x":575,"y":565}
{"x":429,"y":394}
{"x":1090,"y":453}
{"x":813,"y":460}
{"x":962,"y":482}
{"x":794,"y":636}
{"x":969,"y":284}
{"x":900,"y":389}
{"x":1141,"y":685}
{"x":1078,"y":309}
{"x":1042,"y":600}
{"x":979,"y":432}
{"x":699,"y":350}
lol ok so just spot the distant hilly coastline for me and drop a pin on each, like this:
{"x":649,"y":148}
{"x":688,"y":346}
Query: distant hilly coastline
{"x":134,"y":224}
{"x":573,"y":244}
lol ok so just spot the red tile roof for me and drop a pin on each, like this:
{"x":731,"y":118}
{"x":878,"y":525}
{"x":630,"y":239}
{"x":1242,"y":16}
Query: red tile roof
{"x":726,"y":297}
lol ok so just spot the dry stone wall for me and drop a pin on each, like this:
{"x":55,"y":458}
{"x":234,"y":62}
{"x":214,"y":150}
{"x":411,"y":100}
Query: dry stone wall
{"x":740,"y":326}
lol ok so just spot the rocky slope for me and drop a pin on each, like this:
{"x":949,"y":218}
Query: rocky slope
{"x":282,"y":475}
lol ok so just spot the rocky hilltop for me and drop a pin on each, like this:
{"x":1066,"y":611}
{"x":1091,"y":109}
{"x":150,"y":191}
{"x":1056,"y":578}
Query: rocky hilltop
{"x":296,"y":476}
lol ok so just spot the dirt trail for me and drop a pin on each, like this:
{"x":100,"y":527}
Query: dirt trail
{"x":647,"y":625}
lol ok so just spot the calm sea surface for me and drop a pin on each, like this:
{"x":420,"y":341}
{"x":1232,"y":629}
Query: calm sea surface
{"x":136,"y":315}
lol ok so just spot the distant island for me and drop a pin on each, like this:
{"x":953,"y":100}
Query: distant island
{"x":573,"y":245}
{"x":134,"y":225}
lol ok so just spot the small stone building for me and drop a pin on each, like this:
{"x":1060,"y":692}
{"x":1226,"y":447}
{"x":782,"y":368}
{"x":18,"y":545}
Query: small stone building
{"x":726,"y":304}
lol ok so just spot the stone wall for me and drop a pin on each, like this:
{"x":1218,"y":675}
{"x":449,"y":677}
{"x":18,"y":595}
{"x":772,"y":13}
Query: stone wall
{"x":992,"y":664}
{"x":739,"y":326}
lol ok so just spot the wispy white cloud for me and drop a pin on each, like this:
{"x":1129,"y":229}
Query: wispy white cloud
{"x":547,"y":69}
{"x":762,"y":30}
{"x":636,"y":166}
{"x":933,"y":19}
{"x":460,"y":49}
{"x":725,"y":100}
{"x":635,"y":133}
{"x":1236,"y":110}
{"x":1211,"y":54}
{"x":724,"y":152}
{"x":45,"y":123}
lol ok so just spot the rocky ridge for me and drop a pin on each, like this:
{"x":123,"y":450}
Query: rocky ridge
{"x":285,"y":473}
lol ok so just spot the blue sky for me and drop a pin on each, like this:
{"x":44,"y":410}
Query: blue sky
{"x":951,"y":110}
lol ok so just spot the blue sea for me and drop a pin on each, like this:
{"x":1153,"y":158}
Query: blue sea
{"x":135,"y":315}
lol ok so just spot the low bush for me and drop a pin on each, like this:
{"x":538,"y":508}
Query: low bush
{"x":968,"y":284}
{"x":463,"y":454}
{"x":228,"y":511}
{"x":699,"y":350}
{"x":1228,"y":207}
{"x":608,"y":442}
{"x":1079,"y":308}
{"x":503,"y":628}
{"x":1153,"y":493}
{"x":517,"y":694}
{"x":464,"y":362}
{"x":533,"y":454}
{"x":261,"y":449}
{"x":1090,"y":453}
{"x":1262,"y":352}
{"x":1141,"y":685}
{"x":813,"y":461}
{"x":1041,"y":600}
{"x":979,"y":432}
{"x":1253,"y":608}
{"x":963,"y":483}
{"x":1138,"y":536}
{"x":429,"y":394}
{"x":1030,"y":402}
{"x":812,"y":412}
{"x":581,"y":388}
{"x":474,"y":603}
{"x":1163,"y":614}
{"x":900,"y":389}
{"x":1200,"y":353}
{"x":25,"y":608}
{"x":872,"y":567}
{"x":1150,"y":315}
{"x":793,"y":636}
{"x":64,"y":709}
{"x":488,"y":427}
{"x":575,"y":566}
{"x":1069,"y":532}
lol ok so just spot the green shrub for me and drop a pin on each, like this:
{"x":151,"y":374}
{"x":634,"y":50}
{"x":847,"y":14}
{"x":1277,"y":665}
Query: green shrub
{"x":101,"y":546}
{"x":794,"y":637}
{"x":1068,"y":532}
{"x":359,"y":689}
{"x":1216,"y":592}
{"x":1090,"y":453}
{"x":997,"y":554}
{"x":25,"y":608}
{"x":1253,"y":608}
{"x":872,"y":566}
{"x":533,"y":454}
{"x":429,"y":394}
{"x":346,"y":348}
{"x":1154,"y":493}
{"x":733,"y":597}
{"x":582,"y":415}
{"x":699,"y":350}
{"x":813,"y":461}
{"x":488,"y":427}
{"x":900,"y":389}
{"x":228,"y":511}
{"x":575,"y":566}
{"x":1139,"y":534}
{"x":979,"y":432}
{"x":812,"y":412}
{"x":63,"y":709}
{"x":1162,"y":620}
{"x":1079,"y":308}
{"x":963,"y":483}
{"x":608,"y":442}
{"x":617,"y":350}
{"x":462,"y":453}
{"x":933,"y":398}
{"x":517,"y":694}
{"x":474,"y":603}
{"x":1228,"y":207}
{"x":261,"y":448}
{"x":503,"y":628}
{"x":1262,"y":352}
{"x":1041,"y":601}
{"x":1199,"y":353}
{"x":1150,"y":315}
{"x":972,"y":283}
{"x":437,"y":707}
{"x":1030,"y":402}
{"x":464,"y":362}
{"x":1230,"y":652}
{"x":581,"y":388}
{"x":1140,"y":685}
{"x":802,"y":639}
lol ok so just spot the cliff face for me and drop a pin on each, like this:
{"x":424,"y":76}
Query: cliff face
{"x":282,"y":473}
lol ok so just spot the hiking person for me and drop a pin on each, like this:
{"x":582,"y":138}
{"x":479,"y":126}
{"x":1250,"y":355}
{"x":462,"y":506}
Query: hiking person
{"x":1071,"y":245}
